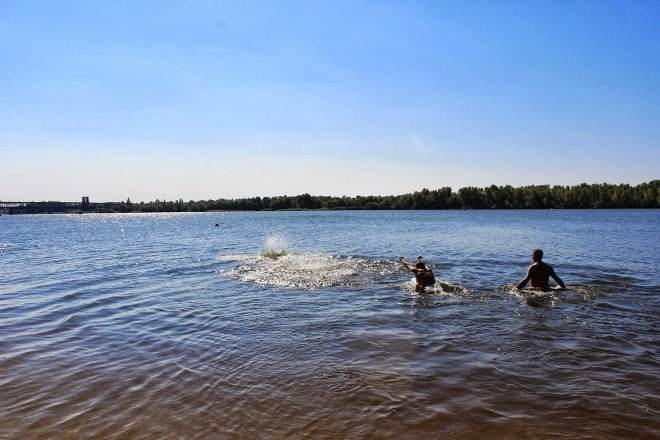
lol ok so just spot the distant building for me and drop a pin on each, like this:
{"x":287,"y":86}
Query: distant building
{"x":85,"y":201}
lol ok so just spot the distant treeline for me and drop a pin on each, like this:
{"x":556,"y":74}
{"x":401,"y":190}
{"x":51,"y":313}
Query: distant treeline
{"x":583,"y":196}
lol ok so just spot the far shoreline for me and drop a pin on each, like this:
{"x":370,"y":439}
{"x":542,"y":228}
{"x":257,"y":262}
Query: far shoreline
{"x":533,"y":197}
{"x":221,"y":211}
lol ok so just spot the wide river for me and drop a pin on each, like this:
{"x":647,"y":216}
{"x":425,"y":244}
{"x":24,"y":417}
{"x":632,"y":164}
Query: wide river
{"x":175,"y":326}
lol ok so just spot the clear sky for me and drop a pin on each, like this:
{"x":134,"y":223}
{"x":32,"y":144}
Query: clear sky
{"x":215,"y":99}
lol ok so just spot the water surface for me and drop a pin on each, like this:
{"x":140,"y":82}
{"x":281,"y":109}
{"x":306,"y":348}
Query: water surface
{"x":166,"y":326}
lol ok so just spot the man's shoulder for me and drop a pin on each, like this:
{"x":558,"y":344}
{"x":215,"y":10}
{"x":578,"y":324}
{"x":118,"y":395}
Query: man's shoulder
{"x":540,"y":267}
{"x":546,"y":268}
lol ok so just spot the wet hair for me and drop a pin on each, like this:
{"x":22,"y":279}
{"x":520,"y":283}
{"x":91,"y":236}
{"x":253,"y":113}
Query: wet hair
{"x":420,"y":265}
{"x":537,"y":254}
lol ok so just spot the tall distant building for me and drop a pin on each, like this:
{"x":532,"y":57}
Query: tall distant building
{"x":85,"y":201}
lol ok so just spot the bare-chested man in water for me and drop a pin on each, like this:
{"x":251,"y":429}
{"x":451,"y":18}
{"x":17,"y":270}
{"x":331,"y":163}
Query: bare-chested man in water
{"x":423,"y":273}
{"x":539,"y":273}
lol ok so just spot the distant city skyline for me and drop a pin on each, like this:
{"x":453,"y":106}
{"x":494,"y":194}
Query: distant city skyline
{"x":206,"y":100}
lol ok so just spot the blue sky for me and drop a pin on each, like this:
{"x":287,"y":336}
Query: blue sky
{"x":216,"y":99}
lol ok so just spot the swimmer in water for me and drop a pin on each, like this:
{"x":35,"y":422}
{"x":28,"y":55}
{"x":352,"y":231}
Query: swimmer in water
{"x":423,"y":273}
{"x":539,"y":273}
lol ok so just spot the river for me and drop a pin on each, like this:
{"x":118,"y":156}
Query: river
{"x":177,"y":325}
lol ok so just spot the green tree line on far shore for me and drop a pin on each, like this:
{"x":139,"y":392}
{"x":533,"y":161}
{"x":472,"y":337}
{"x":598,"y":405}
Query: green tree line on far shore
{"x":583,"y":196}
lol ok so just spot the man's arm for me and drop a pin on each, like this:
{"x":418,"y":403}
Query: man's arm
{"x":406,"y":264}
{"x":557,"y":279}
{"x":524,"y":282}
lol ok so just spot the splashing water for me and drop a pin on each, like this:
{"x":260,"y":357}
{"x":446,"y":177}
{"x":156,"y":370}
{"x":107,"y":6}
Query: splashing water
{"x":275,"y":247}
{"x":310,"y":271}
{"x":275,"y":266}
{"x":572,"y":293}
{"x":447,"y":287}
{"x":439,"y":288}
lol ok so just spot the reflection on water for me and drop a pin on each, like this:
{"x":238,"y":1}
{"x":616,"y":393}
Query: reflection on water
{"x":165,"y":326}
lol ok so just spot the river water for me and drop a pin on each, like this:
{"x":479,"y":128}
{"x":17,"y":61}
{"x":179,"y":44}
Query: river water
{"x":168,"y":326}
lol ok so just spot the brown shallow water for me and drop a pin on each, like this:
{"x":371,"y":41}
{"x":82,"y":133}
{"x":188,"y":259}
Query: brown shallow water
{"x":163,"y":326}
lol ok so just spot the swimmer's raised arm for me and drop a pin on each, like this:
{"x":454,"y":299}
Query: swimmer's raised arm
{"x":407,"y":265}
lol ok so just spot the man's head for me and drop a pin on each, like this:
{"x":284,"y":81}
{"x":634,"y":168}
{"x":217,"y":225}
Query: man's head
{"x":537,"y":255}
{"x":420,"y":265}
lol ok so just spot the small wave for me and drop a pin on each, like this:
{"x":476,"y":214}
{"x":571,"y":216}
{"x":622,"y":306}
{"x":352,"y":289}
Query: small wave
{"x":536,"y":298}
{"x":440,"y":288}
{"x":191,"y":270}
{"x":447,"y":287}
{"x":234,"y":258}
{"x":310,"y":271}
{"x":589,"y":291}
{"x":573,"y":292}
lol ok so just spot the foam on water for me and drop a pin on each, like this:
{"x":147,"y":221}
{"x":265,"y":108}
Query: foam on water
{"x":275,"y":266}
{"x":581,"y":292}
{"x":309,"y":271}
{"x":440,"y":288}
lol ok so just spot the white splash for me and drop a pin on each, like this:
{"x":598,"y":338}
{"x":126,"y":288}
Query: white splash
{"x":309,"y":271}
{"x":439,"y":288}
{"x":275,"y":247}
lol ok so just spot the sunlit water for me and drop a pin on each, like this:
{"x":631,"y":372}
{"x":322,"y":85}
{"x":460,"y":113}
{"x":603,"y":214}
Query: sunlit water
{"x":166,"y":326}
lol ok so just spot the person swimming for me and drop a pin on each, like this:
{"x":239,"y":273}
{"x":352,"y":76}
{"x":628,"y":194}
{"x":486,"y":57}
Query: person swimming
{"x":423,"y":273}
{"x":539,"y":273}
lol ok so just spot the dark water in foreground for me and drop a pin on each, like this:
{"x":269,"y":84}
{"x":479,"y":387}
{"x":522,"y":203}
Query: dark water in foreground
{"x":165,"y":326}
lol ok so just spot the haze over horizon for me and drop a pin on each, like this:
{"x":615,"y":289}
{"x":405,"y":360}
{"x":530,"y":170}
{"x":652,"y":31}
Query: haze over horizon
{"x":207,"y":100}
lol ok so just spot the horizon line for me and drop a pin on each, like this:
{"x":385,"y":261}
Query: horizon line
{"x":329,"y":195}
